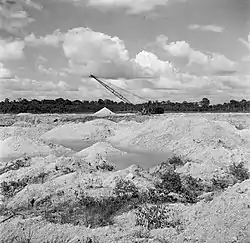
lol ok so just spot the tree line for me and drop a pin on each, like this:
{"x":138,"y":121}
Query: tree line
{"x":61,"y":105}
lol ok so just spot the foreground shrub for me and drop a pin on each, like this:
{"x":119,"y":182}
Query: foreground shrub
{"x":187,"y":187}
{"x":171,"y":182}
{"x":176,"y":161}
{"x":15,"y":165}
{"x":239,"y":171}
{"x":156,"y":216}
{"x":125,"y":188}
{"x":89,"y":211}
{"x":11,"y":188}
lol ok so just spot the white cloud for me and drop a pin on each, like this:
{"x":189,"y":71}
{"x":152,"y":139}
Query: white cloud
{"x":91,"y":52}
{"x":53,"y":39}
{"x":4,"y":72}
{"x":14,"y":16}
{"x":131,"y":6}
{"x":11,"y":50}
{"x":211,"y":63}
{"x":213,"y":28}
{"x":50,"y":71}
{"x":153,"y":65}
{"x":246,"y":43}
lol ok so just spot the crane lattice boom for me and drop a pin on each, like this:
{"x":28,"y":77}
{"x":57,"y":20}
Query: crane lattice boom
{"x":111,"y":90}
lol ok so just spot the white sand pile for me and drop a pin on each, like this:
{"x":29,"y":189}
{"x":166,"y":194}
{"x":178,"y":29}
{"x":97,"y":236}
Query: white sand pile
{"x":38,"y":165}
{"x":32,"y":132}
{"x":104,"y":112}
{"x":225,"y":219}
{"x":21,"y":124}
{"x":100,"y":148}
{"x":24,"y":114}
{"x":179,"y":134}
{"x":17,"y":146}
{"x":212,"y":144}
{"x":95,"y":130}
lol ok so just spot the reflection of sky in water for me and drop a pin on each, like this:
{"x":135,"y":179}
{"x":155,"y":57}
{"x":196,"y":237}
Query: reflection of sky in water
{"x":141,"y":157}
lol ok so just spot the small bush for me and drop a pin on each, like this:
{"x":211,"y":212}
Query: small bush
{"x":192,"y":188}
{"x":86,"y":210}
{"x":10,"y":188}
{"x":155,"y":216}
{"x":171,"y":182}
{"x":15,"y":165}
{"x":104,"y":166}
{"x":176,"y":160}
{"x":239,"y":171}
{"x":187,"y":187}
{"x":125,"y":188}
{"x":219,"y":184}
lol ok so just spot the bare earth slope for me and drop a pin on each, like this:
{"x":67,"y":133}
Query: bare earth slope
{"x":49,"y":193}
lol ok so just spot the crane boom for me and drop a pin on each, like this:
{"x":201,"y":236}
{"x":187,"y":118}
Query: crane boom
{"x":111,"y":90}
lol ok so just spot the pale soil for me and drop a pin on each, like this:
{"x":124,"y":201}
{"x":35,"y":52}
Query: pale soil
{"x":209,"y":142}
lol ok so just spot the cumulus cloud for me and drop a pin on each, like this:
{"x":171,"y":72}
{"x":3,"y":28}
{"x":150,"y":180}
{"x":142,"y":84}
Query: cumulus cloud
{"x":4,"y":72}
{"x":91,"y":52}
{"x":14,"y":16}
{"x":132,"y":7}
{"x":246,"y":43}
{"x":213,"y":28}
{"x":213,"y":63}
{"x":54,"y":39}
{"x":50,"y":71}
{"x":153,"y":65}
{"x":11,"y":50}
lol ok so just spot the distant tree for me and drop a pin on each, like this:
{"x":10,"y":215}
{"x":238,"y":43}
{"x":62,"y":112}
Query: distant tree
{"x":205,"y":102}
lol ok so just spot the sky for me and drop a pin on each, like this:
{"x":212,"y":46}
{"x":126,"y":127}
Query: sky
{"x":178,"y":50}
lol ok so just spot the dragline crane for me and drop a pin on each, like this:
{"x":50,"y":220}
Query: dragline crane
{"x":111,"y":90}
{"x":144,"y":111}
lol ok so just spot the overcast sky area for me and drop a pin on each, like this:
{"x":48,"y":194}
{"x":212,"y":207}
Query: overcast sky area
{"x":159,"y":49}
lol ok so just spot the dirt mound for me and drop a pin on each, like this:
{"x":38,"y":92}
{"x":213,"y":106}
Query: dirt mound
{"x":20,"y":146}
{"x":21,"y":124}
{"x":95,"y":130}
{"x":24,"y":114}
{"x":100,"y":148}
{"x":104,"y":112}
{"x":32,"y":132}
{"x":181,"y":134}
{"x":225,"y":219}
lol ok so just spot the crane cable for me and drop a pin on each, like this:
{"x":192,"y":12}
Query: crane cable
{"x":145,"y":99}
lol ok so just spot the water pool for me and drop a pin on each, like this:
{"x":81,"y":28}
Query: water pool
{"x":138,"y":156}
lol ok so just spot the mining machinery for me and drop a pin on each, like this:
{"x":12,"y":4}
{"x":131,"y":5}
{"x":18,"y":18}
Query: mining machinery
{"x":146,"y":110}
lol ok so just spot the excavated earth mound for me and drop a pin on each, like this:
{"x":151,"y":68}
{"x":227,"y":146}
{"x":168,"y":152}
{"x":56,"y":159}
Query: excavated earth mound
{"x":225,"y":219}
{"x":104,"y":112}
{"x":20,"y":146}
{"x":95,"y":130}
{"x":99,"y":148}
{"x":54,"y":176}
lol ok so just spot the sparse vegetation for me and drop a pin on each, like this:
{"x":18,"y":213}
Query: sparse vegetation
{"x":10,"y":188}
{"x":240,"y":172}
{"x":176,"y":161}
{"x":125,"y":188}
{"x":156,"y":216}
{"x":15,"y":165}
{"x":86,"y":210}
{"x":104,"y":166}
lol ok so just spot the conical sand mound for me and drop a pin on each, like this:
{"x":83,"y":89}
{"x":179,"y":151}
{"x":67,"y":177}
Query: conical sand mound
{"x":104,"y":112}
{"x":101,"y":148}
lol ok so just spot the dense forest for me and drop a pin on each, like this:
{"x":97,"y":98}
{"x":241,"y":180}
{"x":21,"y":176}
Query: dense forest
{"x":61,"y":105}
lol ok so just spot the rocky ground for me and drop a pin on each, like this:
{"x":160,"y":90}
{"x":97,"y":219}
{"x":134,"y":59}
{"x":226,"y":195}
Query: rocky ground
{"x":50,"y":193}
